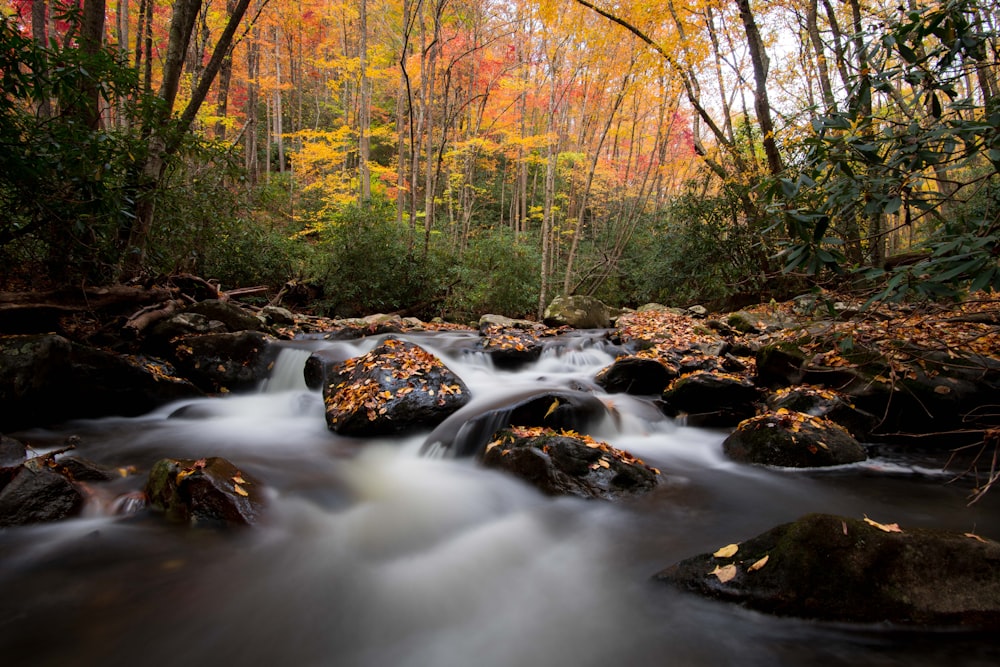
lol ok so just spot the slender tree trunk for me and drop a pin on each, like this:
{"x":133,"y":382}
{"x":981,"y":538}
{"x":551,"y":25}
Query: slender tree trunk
{"x":364,"y":111}
{"x":762,"y":106}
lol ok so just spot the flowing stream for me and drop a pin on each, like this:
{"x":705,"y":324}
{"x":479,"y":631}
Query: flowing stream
{"x":372,"y":554}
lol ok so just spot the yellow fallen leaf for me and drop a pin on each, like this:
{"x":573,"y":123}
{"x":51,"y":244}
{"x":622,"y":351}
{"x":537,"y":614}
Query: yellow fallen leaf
{"x":240,"y":490}
{"x":727,"y":551}
{"x":974,"y":536}
{"x":238,"y":478}
{"x":887,"y":527}
{"x":603,"y":463}
{"x":552,"y":408}
{"x":724,"y":573}
{"x":759,"y":564}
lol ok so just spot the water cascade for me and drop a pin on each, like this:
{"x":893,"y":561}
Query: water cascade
{"x":397,"y":552}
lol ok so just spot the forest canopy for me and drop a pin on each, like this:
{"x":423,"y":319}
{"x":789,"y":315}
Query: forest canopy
{"x":459,"y":156}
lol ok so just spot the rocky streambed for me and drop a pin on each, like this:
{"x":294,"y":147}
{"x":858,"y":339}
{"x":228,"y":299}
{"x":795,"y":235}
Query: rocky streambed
{"x":412,"y":493}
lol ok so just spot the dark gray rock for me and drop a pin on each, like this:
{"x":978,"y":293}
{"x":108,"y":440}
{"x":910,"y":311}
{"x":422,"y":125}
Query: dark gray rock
{"x":396,"y":387}
{"x":226,"y":361}
{"x":38,"y":495}
{"x":636,"y":375}
{"x":209,"y":492}
{"x":711,"y":399}
{"x":835,"y":568}
{"x":560,"y":464}
{"x":792,"y":440}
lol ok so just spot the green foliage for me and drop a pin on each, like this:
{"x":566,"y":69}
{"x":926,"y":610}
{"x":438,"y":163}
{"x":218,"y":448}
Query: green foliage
{"x":862,"y":165}
{"x":366,"y":264}
{"x":63,"y":184}
{"x":702,"y":250}
{"x":498,"y":273}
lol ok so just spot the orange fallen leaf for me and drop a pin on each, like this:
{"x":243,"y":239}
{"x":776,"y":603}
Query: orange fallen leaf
{"x":727,"y":551}
{"x":887,"y":527}
{"x":759,"y":564}
{"x":724,"y":573}
{"x":974,"y":536}
{"x":240,"y":490}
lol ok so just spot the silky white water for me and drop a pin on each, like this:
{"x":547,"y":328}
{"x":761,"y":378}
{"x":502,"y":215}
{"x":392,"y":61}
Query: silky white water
{"x":372,"y":554}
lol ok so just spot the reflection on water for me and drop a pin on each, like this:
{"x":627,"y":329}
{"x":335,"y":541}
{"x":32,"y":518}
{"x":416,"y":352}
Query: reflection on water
{"x":372,"y":555}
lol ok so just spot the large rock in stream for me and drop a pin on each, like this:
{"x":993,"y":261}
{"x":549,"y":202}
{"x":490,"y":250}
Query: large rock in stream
{"x":569,"y":464}
{"x":46,"y":379}
{"x":210,"y":492}
{"x":835,"y":568}
{"x":396,"y":387}
{"x":792,"y":440}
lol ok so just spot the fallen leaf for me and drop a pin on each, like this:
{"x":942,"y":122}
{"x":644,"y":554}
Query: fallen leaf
{"x":844,"y":524}
{"x":552,"y":408}
{"x":603,"y":463}
{"x":942,"y":389}
{"x":240,"y":490}
{"x":759,"y":564}
{"x":727,"y":551}
{"x":238,"y":479}
{"x":974,"y":536}
{"x":724,"y":573}
{"x":887,"y":527}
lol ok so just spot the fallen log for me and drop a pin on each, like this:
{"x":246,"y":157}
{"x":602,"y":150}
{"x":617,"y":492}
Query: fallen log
{"x":143,"y":318}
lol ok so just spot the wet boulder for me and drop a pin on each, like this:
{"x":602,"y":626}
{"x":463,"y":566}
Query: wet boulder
{"x":225,"y":361}
{"x":46,"y":379}
{"x":636,"y":375}
{"x":37,"y":494}
{"x":792,"y":440}
{"x":822,"y":402}
{"x":396,"y":387}
{"x":509,"y":347}
{"x":579,"y":312}
{"x":711,"y":399}
{"x":464,"y":434}
{"x":841,"y":569}
{"x":210,"y":492}
{"x":12,"y":455}
{"x":569,"y":464}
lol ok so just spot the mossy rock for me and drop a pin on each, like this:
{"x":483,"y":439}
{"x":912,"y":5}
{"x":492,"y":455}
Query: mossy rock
{"x":210,"y":492}
{"x":792,"y":440}
{"x":842,"y":569}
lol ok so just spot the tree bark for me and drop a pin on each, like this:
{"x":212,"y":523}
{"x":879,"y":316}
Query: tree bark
{"x":762,"y":106}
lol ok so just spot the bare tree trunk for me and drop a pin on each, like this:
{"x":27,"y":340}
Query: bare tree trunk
{"x":364,"y":111}
{"x":762,"y":106}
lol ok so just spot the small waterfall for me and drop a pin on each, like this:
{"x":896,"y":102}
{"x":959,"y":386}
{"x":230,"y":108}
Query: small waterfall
{"x":286,"y":375}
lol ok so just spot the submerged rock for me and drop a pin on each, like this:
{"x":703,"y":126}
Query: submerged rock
{"x":569,"y":464}
{"x":834,"y":568}
{"x":396,"y":387}
{"x":208,"y":492}
{"x":792,"y":440}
